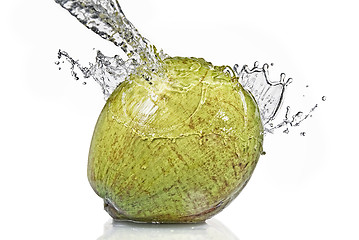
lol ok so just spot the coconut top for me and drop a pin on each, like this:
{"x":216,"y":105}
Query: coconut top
{"x":192,"y":97}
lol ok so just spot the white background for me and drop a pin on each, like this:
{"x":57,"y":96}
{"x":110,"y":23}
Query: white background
{"x":304,"y":188}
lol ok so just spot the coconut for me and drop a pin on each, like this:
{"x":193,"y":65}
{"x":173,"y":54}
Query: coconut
{"x":177,"y":147}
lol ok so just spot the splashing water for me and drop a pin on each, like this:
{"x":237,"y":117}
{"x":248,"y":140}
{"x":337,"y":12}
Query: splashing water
{"x":269,"y":95}
{"x":290,"y":121}
{"x":106,"y":19}
{"x":108,"y":72}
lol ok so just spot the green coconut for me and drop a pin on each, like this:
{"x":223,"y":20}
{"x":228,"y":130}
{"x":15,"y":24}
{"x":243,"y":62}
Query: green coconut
{"x":176,"y":148}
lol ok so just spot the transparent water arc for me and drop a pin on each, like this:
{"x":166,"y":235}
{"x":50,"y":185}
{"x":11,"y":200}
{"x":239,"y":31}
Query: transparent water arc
{"x":268,"y":94}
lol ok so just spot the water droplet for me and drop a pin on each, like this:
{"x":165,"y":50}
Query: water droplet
{"x":302,"y":134}
{"x":57,"y":62}
{"x":84,"y":83}
{"x":324,"y":98}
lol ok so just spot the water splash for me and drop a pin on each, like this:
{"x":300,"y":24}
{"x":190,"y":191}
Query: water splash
{"x":269,"y":95}
{"x":108,"y":72}
{"x":290,"y":120}
{"x":106,"y":19}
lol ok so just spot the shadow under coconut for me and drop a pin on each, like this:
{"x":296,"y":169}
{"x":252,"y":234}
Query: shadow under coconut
{"x":210,"y":230}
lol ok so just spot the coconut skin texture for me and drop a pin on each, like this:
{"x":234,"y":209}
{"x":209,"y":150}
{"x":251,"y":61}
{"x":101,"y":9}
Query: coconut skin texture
{"x":177,"y":149}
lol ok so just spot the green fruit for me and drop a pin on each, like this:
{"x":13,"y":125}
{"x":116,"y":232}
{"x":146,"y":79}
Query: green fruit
{"x":176,"y":149}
